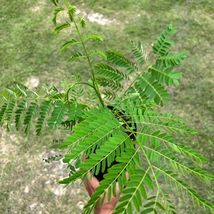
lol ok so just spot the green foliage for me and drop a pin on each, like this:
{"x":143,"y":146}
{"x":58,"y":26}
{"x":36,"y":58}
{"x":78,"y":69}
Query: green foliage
{"x":172,"y":59}
{"x":76,"y":56}
{"x":116,"y":174}
{"x":150,"y":89}
{"x":109,"y":95}
{"x":162,"y":45}
{"x":120,"y":60}
{"x":94,"y":37}
{"x":109,"y":83}
{"x":69,"y":43}
{"x":82,"y":21}
{"x":19,"y":112}
{"x":164,"y":76}
{"x":151,"y":83}
{"x":159,"y":147}
{"x":61,"y":27}
{"x":135,"y":192}
{"x":42,"y":115}
{"x":109,"y":72}
{"x":9,"y":110}
{"x":29,"y":115}
{"x":51,"y":110}
{"x":57,"y":115}
{"x":55,"y":2}
{"x":128,"y":137}
{"x":2,"y":113}
{"x":71,"y":12}
{"x":56,"y":12}
{"x":137,"y":51}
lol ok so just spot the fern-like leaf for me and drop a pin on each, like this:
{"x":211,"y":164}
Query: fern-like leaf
{"x":157,"y":136}
{"x":29,"y":115}
{"x":77,"y":57}
{"x":176,"y":164}
{"x":134,"y":193}
{"x":120,"y":60}
{"x":2,"y":112}
{"x":20,"y":90}
{"x":93,"y":37}
{"x":162,"y":45}
{"x":109,"y":72}
{"x":72,"y":12}
{"x":145,"y":86}
{"x":57,"y":115}
{"x":164,"y":76}
{"x":171,"y":60}
{"x":82,"y":21}
{"x":116,"y":173}
{"x":69,"y":43}
{"x":62,"y":27}
{"x":109,"y":83}
{"x":159,"y":121}
{"x":44,"y":108}
{"x":95,"y":138}
{"x":56,"y":12}
{"x":55,"y":2}
{"x":9,"y":111}
{"x":185,"y":187}
{"x":91,"y":122}
{"x":137,"y":51}
{"x":19,"y":113}
{"x":109,"y":95}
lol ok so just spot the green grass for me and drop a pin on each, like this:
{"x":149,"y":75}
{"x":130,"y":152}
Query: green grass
{"x":30,"y":48}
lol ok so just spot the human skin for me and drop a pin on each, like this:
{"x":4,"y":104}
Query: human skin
{"x":91,"y":183}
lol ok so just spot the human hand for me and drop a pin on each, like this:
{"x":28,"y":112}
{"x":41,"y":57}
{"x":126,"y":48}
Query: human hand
{"x":108,"y":206}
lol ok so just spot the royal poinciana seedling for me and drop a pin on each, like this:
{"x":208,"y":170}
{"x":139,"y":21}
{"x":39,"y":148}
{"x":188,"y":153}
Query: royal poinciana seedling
{"x":119,"y":134}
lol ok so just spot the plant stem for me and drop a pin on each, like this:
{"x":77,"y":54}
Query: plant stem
{"x":96,"y":88}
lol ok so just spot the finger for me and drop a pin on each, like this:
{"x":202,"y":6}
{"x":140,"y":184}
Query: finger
{"x":114,"y":199}
{"x":91,"y":183}
{"x":117,"y":188}
{"x":89,"y":189}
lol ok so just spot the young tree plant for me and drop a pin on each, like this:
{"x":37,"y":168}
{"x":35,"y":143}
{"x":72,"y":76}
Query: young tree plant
{"x":118,"y":136}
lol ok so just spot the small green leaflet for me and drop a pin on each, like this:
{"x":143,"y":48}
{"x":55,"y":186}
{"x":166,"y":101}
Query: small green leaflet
{"x":61,"y":27}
